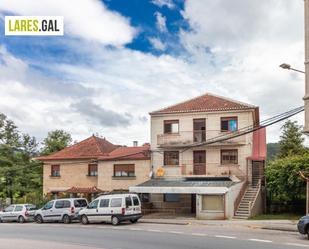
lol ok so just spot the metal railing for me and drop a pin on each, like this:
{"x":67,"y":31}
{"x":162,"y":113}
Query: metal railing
{"x":183,"y":138}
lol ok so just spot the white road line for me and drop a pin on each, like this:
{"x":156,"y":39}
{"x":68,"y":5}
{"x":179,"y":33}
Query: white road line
{"x":198,"y":234}
{"x":261,"y":240}
{"x":135,"y":229}
{"x":296,"y":244}
{"x":176,"y":232}
{"x":154,"y":230}
{"x":224,"y":236}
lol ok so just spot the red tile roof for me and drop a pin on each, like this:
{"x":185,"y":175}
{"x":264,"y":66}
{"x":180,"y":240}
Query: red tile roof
{"x":207,"y":102}
{"x":129,"y":153}
{"x":93,"y":189}
{"x":90,"y":148}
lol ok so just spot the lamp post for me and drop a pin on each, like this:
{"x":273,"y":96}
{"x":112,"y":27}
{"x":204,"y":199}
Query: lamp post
{"x":288,"y":66}
{"x":306,"y":97}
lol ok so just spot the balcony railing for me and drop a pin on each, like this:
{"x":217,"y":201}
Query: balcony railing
{"x":184,"y":138}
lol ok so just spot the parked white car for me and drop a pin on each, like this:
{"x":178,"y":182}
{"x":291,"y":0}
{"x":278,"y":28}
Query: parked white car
{"x":112,"y":208}
{"x":18,"y":212}
{"x":64,"y":210}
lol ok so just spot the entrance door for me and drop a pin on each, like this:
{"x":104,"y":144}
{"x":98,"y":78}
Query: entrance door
{"x":193,"y":203}
{"x":199,"y":130}
{"x":199,"y":162}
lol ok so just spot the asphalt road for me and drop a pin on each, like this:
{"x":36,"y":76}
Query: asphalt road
{"x":144,"y":236}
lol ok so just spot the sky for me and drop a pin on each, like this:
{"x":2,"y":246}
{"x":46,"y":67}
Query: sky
{"x":119,"y":60}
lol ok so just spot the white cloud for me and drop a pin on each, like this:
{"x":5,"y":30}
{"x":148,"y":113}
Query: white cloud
{"x":87,"y":19}
{"x":157,"y":44}
{"x":168,"y":3}
{"x":161,"y":22}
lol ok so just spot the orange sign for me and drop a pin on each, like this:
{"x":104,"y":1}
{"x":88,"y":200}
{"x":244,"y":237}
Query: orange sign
{"x":160,"y":171}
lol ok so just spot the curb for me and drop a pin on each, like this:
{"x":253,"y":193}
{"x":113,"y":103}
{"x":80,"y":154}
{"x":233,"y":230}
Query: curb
{"x":280,"y":229}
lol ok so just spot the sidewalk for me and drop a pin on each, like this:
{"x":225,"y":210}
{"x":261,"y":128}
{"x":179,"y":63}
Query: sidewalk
{"x":281,"y":225}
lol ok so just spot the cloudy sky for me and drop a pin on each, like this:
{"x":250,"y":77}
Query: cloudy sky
{"x":119,"y":60}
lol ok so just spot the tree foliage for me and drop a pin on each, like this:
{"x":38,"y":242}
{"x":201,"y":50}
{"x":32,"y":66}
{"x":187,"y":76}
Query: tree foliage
{"x":283,"y":180}
{"x":291,"y":140}
{"x":56,"y":140}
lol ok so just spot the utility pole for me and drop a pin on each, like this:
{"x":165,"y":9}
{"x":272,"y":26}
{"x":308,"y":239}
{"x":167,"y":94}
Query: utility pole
{"x":305,"y":177}
{"x":306,"y":97}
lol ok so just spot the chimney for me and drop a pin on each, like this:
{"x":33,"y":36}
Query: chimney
{"x":135,"y":143}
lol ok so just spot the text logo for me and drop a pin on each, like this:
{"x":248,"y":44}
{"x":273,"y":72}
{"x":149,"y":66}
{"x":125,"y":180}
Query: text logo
{"x":34,"y":25}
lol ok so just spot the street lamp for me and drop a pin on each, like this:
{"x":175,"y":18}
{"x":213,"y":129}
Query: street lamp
{"x":288,"y":66}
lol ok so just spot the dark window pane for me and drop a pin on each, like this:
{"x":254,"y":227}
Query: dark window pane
{"x":104,"y":203}
{"x":135,"y":201}
{"x":80,"y":203}
{"x":116,"y":202}
{"x":171,"y":197}
{"x":128,"y":201}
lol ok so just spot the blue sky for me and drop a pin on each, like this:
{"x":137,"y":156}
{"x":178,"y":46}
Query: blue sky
{"x":119,"y":60}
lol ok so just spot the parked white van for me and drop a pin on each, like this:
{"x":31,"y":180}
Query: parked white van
{"x":112,"y":208}
{"x":64,"y":210}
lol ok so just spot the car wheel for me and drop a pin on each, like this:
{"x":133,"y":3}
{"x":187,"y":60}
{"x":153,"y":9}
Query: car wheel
{"x":115,"y":220}
{"x":21,"y":219}
{"x":84,"y":220}
{"x":39,"y":219}
{"x":66,"y":219}
{"x":133,"y":221}
{"x":1,"y":220}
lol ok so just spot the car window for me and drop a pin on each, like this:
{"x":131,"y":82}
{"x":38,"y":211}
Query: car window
{"x":59,"y":204}
{"x":9,"y":209}
{"x":66,"y":204}
{"x":135,"y":201}
{"x":49,"y":205}
{"x":80,"y":203}
{"x":104,"y":203}
{"x":18,"y":208}
{"x":116,"y":202}
{"x":30,"y":207}
{"x":128,"y":201}
{"x":94,"y":204}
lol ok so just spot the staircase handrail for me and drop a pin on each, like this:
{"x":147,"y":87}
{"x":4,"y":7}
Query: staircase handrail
{"x":240,"y":196}
{"x":256,"y":195}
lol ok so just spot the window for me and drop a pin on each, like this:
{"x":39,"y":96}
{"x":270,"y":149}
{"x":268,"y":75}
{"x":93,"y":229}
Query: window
{"x":229,"y":124}
{"x":126,"y":170}
{"x":171,"y":157}
{"x":30,"y":207}
{"x":94,"y":204}
{"x":49,"y":205}
{"x":171,"y":126}
{"x":18,"y":208}
{"x":199,"y":130}
{"x":80,"y":203}
{"x":116,"y":202}
{"x":9,"y":209}
{"x":135,"y":201}
{"x":229,"y":156}
{"x":104,"y":203}
{"x":55,"y":170}
{"x":92,"y":169}
{"x":145,"y":197}
{"x":171,"y":197}
{"x":213,"y":203}
{"x":59,"y":204}
{"x":128,"y":201}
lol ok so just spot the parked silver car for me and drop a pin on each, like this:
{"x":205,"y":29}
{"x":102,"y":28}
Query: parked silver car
{"x":18,"y":212}
{"x":64,"y":210}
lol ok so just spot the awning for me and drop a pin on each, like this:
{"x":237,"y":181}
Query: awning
{"x":183,"y":186}
{"x":77,"y":190}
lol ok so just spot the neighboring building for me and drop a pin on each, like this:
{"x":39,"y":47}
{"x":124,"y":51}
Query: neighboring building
{"x":94,"y":166}
{"x":218,"y":180}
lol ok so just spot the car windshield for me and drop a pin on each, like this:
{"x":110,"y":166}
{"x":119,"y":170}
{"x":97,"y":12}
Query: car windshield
{"x":80,"y":203}
{"x":30,"y":207}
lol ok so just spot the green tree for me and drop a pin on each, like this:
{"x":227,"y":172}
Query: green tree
{"x":283,"y":181}
{"x":56,"y":140}
{"x":272,"y":150}
{"x":291,"y":140}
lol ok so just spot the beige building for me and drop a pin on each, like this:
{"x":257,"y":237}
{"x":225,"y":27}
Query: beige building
{"x":197,"y":169}
{"x":94,"y":166}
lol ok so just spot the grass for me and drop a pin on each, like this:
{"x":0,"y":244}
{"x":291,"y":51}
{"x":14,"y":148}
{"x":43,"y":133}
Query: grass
{"x":277,"y":217}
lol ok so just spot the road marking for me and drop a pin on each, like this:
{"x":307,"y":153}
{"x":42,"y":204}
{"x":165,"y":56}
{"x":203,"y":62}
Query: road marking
{"x":176,"y":232}
{"x":261,"y":240}
{"x":135,"y":229}
{"x":224,"y":236}
{"x":154,"y":230}
{"x":198,"y":234}
{"x":296,"y":244}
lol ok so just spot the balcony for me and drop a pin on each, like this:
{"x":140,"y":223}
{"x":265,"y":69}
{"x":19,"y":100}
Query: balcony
{"x":188,"y":168}
{"x":185,"y":138}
